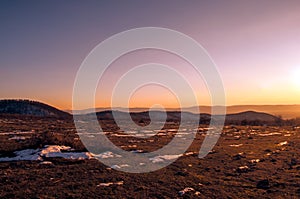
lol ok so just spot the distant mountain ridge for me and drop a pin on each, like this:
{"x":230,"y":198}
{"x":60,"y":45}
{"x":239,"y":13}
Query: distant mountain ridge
{"x":31,"y":108}
{"x":286,"y":111}
{"x":252,"y":116}
{"x":243,"y":118}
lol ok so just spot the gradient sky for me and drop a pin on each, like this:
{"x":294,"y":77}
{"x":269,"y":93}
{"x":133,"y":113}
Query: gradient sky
{"x":255,"y":45}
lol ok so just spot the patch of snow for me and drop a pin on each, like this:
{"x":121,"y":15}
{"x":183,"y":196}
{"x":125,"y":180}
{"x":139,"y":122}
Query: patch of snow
{"x":243,"y":168}
{"x":90,"y":136}
{"x":150,"y":134}
{"x":119,"y":183}
{"x":189,"y":153}
{"x":255,"y":160}
{"x":18,"y":138}
{"x":53,"y":151}
{"x":183,"y":133}
{"x":17,"y":133}
{"x":236,"y":145}
{"x":54,"y":148}
{"x":106,"y":184}
{"x":27,"y":154}
{"x":137,"y":151}
{"x":46,"y":162}
{"x":139,"y":135}
{"x":147,"y":131}
{"x":197,"y":193}
{"x":49,"y":151}
{"x":269,"y":134}
{"x":121,"y":135}
{"x":185,"y":190}
{"x":130,"y":132}
{"x":69,"y":155}
{"x":119,"y":166}
{"x":107,"y":154}
{"x":282,"y":143}
{"x":162,"y":158}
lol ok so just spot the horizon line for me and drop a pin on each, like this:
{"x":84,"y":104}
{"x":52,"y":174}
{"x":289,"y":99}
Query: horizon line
{"x":145,"y":107}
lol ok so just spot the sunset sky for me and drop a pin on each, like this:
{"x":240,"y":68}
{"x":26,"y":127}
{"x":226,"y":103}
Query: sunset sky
{"x":255,"y":45}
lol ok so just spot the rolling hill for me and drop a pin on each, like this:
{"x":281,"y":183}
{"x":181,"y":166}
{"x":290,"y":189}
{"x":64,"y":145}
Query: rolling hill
{"x":31,"y":108}
{"x":248,"y":117}
{"x":286,"y":111}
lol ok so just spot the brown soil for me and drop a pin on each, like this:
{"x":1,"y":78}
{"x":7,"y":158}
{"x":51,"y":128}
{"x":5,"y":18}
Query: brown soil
{"x":243,"y":164}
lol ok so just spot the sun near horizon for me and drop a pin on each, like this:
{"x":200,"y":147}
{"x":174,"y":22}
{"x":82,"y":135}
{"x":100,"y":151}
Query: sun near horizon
{"x":256,"y":54}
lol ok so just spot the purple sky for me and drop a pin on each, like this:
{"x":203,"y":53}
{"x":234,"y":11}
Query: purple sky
{"x":255,"y":44}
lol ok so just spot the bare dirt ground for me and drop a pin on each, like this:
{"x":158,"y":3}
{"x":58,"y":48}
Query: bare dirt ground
{"x":247,"y":162}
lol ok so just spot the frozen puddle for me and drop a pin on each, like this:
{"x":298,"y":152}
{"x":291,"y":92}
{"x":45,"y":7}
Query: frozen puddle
{"x":49,"y":151}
